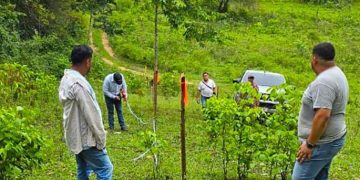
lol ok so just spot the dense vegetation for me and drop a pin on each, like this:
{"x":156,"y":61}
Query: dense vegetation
{"x":219,"y":36}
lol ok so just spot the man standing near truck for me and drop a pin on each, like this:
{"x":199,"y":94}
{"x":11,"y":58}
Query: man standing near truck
{"x":251,"y":79}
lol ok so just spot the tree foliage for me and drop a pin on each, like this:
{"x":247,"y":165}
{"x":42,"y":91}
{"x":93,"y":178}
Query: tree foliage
{"x":38,"y":33}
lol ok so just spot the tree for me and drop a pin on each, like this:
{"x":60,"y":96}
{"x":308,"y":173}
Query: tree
{"x":223,"y":6}
{"x":92,"y":7}
{"x":9,"y":20}
{"x":41,"y":17}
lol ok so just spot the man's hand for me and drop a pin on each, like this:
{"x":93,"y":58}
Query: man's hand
{"x":117,"y":98}
{"x":304,"y":152}
{"x":198,"y":100}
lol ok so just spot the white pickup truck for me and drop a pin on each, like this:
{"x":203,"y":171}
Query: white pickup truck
{"x":264,"y":80}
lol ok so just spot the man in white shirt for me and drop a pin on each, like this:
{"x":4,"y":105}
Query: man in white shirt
{"x":83,"y":126}
{"x":115,"y":89}
{"x":206,"y":89}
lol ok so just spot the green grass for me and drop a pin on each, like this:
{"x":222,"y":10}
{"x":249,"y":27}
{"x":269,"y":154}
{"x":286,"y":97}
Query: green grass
{"x":281,"y":42}
{"x":124,"y":147}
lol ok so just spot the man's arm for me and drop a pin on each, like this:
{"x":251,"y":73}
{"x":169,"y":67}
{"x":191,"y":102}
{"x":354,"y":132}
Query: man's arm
{"x":91,"y":114}
{"x":320,"y":122}
{"x":214,"y":88}
{"x":124,"y":87}
{"x":198,"y":93}
{"x":106,"y":87}
{"x":323,"y":98}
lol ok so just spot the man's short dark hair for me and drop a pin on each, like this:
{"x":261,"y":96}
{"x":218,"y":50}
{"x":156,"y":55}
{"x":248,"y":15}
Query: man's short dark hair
{"x":118,"y":78}
{"x":205,"y":73}
{"x":324,"y":51}
{"x":80,"y":53}
{"x":251,"y":77}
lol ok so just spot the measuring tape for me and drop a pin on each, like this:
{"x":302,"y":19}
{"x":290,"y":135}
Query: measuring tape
{"x":133,"y":114}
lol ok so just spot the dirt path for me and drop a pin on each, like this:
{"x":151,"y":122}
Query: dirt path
{"x":91,"y":42}
{"x":113,"y":61}
{"x":106,"y":44}
{"x":109,"y":50}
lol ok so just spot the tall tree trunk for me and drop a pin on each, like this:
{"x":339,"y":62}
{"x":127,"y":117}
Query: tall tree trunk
{"x":223,"y":6}
{"x":156,"y":39}
{"x":155,"y":80}
{"x":90,"y":25}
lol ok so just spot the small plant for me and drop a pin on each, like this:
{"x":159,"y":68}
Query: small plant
{"x":150,"y":143}
{"x":20,"y":144}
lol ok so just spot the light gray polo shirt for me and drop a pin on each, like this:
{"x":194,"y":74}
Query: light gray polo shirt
{"x":329,"y":90}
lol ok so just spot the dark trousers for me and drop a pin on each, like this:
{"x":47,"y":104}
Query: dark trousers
{"x":110,"y":103}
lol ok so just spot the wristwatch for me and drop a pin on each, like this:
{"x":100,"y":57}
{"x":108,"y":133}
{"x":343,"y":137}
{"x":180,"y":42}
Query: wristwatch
{"x":309,"y":145}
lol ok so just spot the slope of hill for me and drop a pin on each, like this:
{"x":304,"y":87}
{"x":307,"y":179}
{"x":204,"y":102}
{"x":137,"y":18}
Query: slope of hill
{"x":268,"y":35}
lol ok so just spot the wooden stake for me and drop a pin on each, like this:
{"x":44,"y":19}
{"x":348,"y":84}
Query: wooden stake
{"x":182,"y":131}
{"x":155,"y":81}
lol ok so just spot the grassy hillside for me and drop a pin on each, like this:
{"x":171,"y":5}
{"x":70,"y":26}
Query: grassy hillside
{"x":275,"y":36}
{"x":270,"y":35}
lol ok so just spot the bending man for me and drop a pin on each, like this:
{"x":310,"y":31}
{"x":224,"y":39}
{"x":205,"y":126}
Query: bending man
{"x":115,"y":90}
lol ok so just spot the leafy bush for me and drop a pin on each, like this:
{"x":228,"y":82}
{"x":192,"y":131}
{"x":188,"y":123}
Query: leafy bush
{"x":20,"y":86}
{"x":169,"y":84}
{"x":20,"y":144}
{"x":252,"y":138}
{"x":136,"y":84}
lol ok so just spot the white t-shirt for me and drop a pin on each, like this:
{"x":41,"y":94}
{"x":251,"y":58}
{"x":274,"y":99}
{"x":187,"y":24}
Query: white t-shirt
{"x":206,"y":90}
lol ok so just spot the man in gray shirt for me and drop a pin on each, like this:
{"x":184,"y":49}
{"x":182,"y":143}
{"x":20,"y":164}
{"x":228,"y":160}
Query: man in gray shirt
{"x":321,"y":125}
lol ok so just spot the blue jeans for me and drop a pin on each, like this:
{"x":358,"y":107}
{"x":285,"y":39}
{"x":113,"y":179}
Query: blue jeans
{"x":203,"y":100}
{"x":93,"y":160}
{"x":110,"y":103}
{"x":319,"y":165}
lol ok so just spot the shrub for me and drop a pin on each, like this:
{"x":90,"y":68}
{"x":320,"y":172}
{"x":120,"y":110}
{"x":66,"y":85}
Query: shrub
{"x":169,"y":84}
{"x":252,"y":138}
{"x":20,"y":144}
